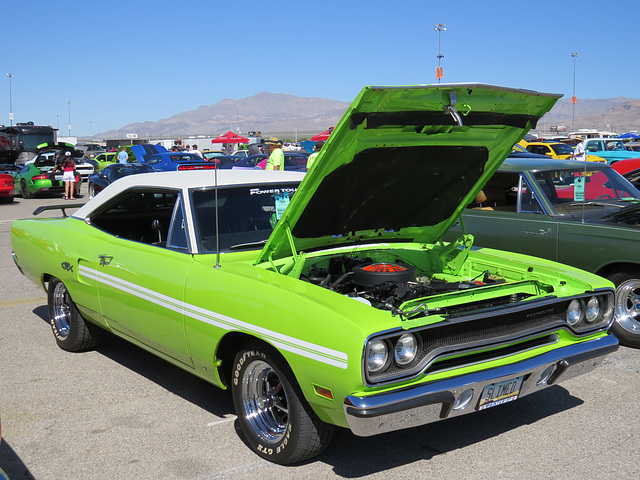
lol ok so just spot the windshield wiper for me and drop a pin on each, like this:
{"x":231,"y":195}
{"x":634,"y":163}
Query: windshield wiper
{"x":594,"y":204}
{"x":242,"y":246}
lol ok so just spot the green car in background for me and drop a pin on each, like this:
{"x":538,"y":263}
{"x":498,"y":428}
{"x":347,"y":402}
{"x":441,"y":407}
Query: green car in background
{"x":329,"y":299}
{"x":104,"y":159}
{"x":39,"y":175}
{"x":584,"y":214}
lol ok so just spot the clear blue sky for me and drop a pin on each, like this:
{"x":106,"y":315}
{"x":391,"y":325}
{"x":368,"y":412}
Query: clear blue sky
{"x":119,"y":62}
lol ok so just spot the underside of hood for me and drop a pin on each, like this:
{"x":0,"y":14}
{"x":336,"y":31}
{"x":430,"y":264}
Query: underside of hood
{"x":403,"y":162}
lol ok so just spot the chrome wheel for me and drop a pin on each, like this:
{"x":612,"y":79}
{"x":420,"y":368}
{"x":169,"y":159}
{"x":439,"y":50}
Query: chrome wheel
{"x":61,"y":309}
{"x":628,"y":306}
{"x":264,"y":402}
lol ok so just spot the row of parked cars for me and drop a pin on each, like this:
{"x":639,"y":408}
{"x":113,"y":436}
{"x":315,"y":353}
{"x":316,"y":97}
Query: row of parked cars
{"x":99,"y":168}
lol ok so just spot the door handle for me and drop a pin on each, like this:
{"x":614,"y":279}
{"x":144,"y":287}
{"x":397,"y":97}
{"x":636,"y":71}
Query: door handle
{"x":541,"y":231}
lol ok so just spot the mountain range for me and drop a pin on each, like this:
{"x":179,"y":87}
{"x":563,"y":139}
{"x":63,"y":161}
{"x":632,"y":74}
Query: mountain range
{"x":269,"y":113}
{"x":289,"y":116}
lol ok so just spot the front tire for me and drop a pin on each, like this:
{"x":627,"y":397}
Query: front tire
{"x":275,"y":419}
{"x":92,"y":190}
{"x":71,"y":331}
{"x":626,"y":325}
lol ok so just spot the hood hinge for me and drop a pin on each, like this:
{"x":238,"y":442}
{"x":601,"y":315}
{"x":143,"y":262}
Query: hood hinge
{"x":449,"y":258}
{"x":295,"y":266}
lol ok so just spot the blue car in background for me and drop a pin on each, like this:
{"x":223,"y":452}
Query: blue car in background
{"x":172,"y":161}
{"x":109,"y":174}
{"x":296,"y":161}
{"x":140,"y":153}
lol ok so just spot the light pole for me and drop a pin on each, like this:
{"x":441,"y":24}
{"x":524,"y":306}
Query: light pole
{"x":57,"y":122}
{"x":10,"y":75}
{"x":440,"y":27}
{"x":69,"y":125}
{"x":574,"y":99}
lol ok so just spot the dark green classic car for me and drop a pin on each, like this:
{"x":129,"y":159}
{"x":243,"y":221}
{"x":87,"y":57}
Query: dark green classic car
{"x":583,"y":214}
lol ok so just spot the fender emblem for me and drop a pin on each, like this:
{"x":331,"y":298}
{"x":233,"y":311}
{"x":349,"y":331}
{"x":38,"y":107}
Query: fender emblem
{"x":105,"y":259}
{"x":67,"y":267}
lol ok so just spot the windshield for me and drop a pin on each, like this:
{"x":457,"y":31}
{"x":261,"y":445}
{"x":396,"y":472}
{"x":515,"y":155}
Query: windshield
{"x":119,"y":170}
{"x":614,"y":145}
{"x":246,"y":214}
{"x":570,"y":186}
{"x":561,"y":149}
{"x":188,"y":157}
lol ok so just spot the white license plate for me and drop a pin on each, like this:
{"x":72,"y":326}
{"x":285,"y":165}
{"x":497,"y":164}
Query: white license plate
{"x":499,"y":393}
{"x":58,"y":177}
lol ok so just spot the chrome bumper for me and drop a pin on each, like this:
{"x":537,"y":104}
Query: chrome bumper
{"x":429,"y":403}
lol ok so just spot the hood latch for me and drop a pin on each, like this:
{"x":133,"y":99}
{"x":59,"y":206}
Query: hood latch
{"x":451,"y":109}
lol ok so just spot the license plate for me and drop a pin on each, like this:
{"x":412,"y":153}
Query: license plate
{"x":499,"y":393}
{"x":58,"y":177}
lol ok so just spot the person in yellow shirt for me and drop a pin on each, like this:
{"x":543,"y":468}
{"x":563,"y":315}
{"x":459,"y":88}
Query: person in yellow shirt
{"x":312,"y":157}
{"x":276,"y":155}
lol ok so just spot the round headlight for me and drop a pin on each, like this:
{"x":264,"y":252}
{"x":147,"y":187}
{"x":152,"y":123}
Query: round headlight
{"x":593,"y":310}
{"x":406,"y":349}
{"x":377,"y":355}
{"x":574,"y":312}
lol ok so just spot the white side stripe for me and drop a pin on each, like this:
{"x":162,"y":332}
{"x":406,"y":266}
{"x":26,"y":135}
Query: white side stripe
{"x":285,"y":342}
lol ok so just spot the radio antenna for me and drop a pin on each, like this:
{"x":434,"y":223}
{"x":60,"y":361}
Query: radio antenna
{"x":217,"y":222}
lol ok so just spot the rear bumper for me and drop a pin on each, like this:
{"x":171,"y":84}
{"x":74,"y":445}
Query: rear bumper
{"x":429,"y":403}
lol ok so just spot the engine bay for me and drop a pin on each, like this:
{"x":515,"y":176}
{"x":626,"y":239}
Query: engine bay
{"x":384,"y":284}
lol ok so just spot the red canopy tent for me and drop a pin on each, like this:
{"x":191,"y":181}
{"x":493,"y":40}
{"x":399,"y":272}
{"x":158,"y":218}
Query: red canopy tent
{"x":322,"y":136}
{"x":230,"y":137}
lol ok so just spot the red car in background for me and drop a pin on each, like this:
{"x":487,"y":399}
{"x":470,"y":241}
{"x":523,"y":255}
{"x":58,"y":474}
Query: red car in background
{"x":7,"y":188}
{"x":629,"y":169}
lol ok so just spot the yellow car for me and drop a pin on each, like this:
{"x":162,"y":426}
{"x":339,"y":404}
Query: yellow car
{"x":557,"y":150}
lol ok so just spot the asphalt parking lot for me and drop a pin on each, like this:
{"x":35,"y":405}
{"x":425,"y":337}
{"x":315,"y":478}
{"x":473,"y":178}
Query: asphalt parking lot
{"x":119,"y":412}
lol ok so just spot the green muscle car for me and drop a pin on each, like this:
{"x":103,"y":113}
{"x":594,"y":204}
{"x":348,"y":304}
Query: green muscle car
{"x":330,"y":300}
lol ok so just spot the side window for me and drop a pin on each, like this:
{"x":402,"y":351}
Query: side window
{"x":141,"y":215}
{"x":177,"y":239}
{"x":594,"y":147}
{"x":528,"y":201}
{"x":153,"y":159}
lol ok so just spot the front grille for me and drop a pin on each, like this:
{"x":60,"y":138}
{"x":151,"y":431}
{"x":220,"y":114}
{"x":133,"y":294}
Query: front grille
{"x":466,"y":339}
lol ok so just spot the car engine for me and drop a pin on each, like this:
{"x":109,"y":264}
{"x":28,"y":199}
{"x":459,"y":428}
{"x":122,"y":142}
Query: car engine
{"x":383,"y":285}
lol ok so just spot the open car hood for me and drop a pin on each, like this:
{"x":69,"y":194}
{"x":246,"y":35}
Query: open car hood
{"x":402,"y":163}
{"x":54,"y":146}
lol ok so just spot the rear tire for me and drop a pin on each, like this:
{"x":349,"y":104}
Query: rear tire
{"x":275,"y":418}
{"x":626,"y":325}
{"x":24,"y":190}
{"x":71,"y":331}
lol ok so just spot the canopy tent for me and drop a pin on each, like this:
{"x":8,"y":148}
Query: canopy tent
{"x":629,"y":135}
{"x":230,"y":137}
{"x":322,"y":136}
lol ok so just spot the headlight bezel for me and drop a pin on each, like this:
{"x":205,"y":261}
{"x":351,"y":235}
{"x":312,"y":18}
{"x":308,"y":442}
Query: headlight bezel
{"x":387,"y":357}
{"x":590,"y":321}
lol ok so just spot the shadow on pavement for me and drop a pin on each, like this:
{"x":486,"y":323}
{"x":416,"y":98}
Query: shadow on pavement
{"x":354,"y":457}
{"x":12,"y":465}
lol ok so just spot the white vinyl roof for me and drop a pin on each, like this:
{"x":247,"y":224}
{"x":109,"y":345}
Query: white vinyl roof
{"x":187,"y":180}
